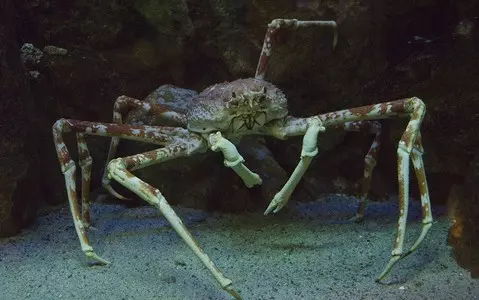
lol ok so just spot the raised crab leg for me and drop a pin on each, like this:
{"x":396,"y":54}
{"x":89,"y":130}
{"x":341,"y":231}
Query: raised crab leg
{"x":271,"y":32}
{"x":123,"y":105}
{"x":233,"y":159}
{"x":415,"y":109}
{"x":119,"y":169}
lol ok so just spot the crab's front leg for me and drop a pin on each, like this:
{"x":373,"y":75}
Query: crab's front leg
{"x":119,"y":169}
{"x":309,"y":150}
{"x":233,"y":159}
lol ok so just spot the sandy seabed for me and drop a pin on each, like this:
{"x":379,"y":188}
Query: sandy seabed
{"x":314,"y":253}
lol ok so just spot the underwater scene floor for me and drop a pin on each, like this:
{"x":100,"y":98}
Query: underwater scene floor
{"x":311,"y":253}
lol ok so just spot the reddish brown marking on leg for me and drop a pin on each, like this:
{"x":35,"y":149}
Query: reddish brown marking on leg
{"x":421,"y":178}
{"x":369,"y":112}
{"x":370,"y":159}
{"x":125,"y":104}
{"x":86,"y":166}
{"x":153,"y":134}
{"x":271,"y":33}
{"x":266,"y":52}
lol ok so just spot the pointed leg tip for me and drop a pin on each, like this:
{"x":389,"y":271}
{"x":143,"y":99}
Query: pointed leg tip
{"x":269,"y":209}
{"x":232,"y":292}
{"x":380,"y":278}
{"x":394,"y":259}
{"x":97,"y":258}
{"x":357,"y":218}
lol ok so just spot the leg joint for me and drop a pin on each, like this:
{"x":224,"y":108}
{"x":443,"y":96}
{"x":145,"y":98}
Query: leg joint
{"x":70,"y":165}
{"x":86,"y":161}
{"x":403,"y":147}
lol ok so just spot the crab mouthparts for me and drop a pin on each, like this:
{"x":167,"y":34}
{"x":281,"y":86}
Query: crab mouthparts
{"x":249,"y":122}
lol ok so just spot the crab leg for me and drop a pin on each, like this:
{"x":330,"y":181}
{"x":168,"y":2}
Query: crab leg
{"x":298,"y":126}
{"x":122,"y":106}
{"x":85,"y":162}
{"x":233,"y":159}
{"x":415,"y":109}
{"x":142,"y":133}
{"x":271,"y":32}
{"x":369,"y":160}
{"x":309,"y":150}
{"x":416,"y":156}
{"x":119,"y":169}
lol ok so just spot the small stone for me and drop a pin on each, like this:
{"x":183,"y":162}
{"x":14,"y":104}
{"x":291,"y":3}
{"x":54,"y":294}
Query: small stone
{"x":170,"y":279}
{"x":30,"y":54}
{"x":53,"y":50}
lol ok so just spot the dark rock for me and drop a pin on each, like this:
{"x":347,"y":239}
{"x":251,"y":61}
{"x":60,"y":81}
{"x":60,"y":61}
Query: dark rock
{"x":19,"y":190}
{"x":464,"y":210}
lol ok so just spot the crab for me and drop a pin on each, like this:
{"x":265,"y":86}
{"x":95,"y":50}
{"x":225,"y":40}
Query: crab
{"x":216,"y":120}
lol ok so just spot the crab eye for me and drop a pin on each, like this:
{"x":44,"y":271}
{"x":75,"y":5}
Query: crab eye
{"x":204,"y":128}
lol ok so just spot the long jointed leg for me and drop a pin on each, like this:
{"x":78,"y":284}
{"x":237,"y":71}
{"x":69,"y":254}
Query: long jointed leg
{"x":309,"y":150}
{"x":271,"y":32}
{"x":405,"y":148}
{"x":409,"y":147}
{"x":119,"y":169}
{"x":123,"y":105}
{"x":416,"y":157}
{"x":415,"y":109}
{"x":82,"y":219}
{"x":85,"y":162}
{"x":370,"y":160}
{"x":233,"y":159}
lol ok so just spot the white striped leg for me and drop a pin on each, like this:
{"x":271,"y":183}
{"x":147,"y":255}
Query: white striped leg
{"x":119,"y":169}
{"x":157,"y":135}
{"x":85,"y":162}
{"x":370,"y":161}
{"x":405,"y":148}
{"x":416,"y":156}
{"x":309,"y":150}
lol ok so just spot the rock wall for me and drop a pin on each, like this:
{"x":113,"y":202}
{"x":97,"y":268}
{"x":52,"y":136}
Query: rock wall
{"x":19,"y":188}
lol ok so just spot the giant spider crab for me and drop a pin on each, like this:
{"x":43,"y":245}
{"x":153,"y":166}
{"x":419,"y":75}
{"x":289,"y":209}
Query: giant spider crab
{"x":223,"y":113}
